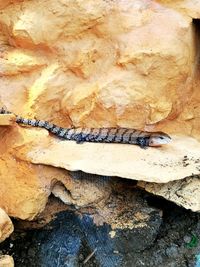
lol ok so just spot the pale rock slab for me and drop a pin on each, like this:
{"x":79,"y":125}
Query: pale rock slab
{"x":159,"y":165}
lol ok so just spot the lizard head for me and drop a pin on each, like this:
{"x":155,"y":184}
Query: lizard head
{"x":159,"y":139}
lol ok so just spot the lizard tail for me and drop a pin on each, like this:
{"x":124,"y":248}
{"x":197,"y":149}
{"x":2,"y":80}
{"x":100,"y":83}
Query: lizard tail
{"x":3,"y":110}
{"x":52,"y":128}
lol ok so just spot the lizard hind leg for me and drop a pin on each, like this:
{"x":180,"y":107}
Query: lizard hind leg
{"x":142,"y":142}
{"x":79,"y":139}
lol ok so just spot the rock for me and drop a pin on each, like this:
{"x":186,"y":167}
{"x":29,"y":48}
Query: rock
{"x":7,"y":119}
{"x":187,"y":7}
{"x":185,"y":193}
{"x":96,"y":64}
{"x":84,"y":190}
{"x":139,"y":86}
{"x":24,"y":187}
{"x":126,"y":161}
{"x":6,"y":226}
{"x":6,"y":261}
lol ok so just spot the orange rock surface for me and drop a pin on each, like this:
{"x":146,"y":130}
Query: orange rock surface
{"x":96,"y":63}
{"x":102,"y":63}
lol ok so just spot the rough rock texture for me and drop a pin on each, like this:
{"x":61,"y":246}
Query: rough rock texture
{"x":116,"y":63}
{"x":185,"y":193}
{"x":84,"y":190}
{"x":96,"y":63}
{"x":24,"y":187}
{"x":6,"y":226}
{"x":6,"y":261}
{"x":110,"y":208}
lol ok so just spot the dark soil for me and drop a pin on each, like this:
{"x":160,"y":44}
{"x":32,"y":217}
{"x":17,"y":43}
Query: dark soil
{"x":170,"y":240}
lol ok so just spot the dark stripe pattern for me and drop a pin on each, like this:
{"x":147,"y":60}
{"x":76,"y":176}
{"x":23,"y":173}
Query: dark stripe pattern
{"x":80,"y":135}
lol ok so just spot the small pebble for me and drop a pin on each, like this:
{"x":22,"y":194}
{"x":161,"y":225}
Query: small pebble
{"x":172,"y":251}
{"x":187,"y":239}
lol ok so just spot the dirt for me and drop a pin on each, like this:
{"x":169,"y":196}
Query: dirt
{"x":169,"y":237}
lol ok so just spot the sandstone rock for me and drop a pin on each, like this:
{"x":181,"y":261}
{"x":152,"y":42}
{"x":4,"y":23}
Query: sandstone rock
{"x":96,"y":63}
{"x":24,"y":187}
{"x":6,"y":261}
{"x":7,"y":119}
{"x":188,"y":7}
{"x":81,"y":237}
{"x":84,"y":190}
{"x":137,"y":86}
{"x":172,"y":162}
{"x":6,"y":226}
{"x":185,"y":193}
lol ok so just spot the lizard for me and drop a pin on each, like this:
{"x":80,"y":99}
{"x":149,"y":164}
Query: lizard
{"x":99,"y":135}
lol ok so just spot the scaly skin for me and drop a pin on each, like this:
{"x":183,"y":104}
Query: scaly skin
{"x":99,"y":135}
